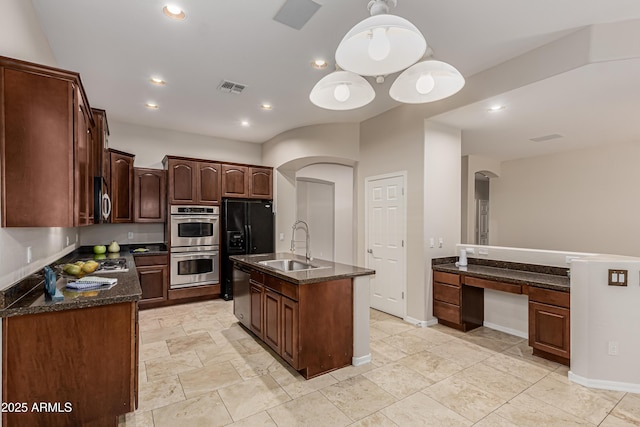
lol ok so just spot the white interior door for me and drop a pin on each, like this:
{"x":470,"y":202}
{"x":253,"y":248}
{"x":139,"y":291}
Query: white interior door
{"x":386,"y":231}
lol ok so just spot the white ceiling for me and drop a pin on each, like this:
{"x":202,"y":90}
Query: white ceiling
{"x":117,"y":45}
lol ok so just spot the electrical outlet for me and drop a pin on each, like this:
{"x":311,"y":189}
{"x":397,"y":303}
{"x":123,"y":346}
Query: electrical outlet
{"x":130,"y":235}
{"x":483,"y":251}
{"x":432,"y":243}
{"x":29,"y":255}
{"x":613,"y":348}
{"x":281,"y":237}
{"x":470,"y":251}
{"x":67,"y":240}
{"x":440,"y":242}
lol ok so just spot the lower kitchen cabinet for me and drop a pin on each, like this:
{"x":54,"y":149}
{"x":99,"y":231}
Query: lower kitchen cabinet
{"x":310,"y":326}
{"x":549,"y":324}
{"x":81,"y":363}
{"x":256,"y":295}
{"x":153,"y":277}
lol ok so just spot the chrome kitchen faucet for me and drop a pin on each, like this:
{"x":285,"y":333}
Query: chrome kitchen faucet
{"x":308,"y":236}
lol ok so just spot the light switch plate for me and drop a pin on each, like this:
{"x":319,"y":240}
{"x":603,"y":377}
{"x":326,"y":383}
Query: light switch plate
{"x":618,"y":277}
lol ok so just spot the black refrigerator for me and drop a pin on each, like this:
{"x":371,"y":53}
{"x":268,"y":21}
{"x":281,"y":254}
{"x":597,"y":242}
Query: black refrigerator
{"x":247,"y":228}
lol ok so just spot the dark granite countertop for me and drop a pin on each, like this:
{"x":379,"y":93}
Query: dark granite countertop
{"x":29,"y":297}
{"x":518,"y":276}
{"x":152,"y":249}
{"x":327,"y":270}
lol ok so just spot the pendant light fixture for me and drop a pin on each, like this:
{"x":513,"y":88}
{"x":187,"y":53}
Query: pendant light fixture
{"x":426,"y":81}
{"x":342,"y":90}
{"x":380,"y":45}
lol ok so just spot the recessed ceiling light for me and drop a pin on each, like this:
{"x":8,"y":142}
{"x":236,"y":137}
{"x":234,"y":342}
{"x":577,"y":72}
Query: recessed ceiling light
{"x":151,"y":105}
{"x":157,"y":81}
{"x":495,"y":108}
{"x":319,"y":64}
{"x":174,"y":12}
{"x":245,"y":123}
{"x":266,"y":106}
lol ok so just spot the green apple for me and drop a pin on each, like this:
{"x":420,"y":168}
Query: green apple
{"x":99,"y":249}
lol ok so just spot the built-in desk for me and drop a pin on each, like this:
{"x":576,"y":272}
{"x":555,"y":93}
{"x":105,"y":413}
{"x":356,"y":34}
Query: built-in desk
{"x":458,"y":300}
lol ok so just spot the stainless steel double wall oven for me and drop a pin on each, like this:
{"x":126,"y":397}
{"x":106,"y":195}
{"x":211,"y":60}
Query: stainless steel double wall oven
{"x":195,"y":239}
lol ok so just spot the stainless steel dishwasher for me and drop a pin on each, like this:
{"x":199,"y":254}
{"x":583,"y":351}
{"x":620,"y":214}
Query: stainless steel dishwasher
{"x":241,"y":297}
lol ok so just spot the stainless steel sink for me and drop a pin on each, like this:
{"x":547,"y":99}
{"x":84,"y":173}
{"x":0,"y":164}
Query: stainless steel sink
{"x":288,"y":264}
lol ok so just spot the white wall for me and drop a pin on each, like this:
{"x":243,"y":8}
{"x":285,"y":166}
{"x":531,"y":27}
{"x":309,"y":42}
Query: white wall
{"x":315,"y":205}
{"x":442,"y":172}
{"x":103,"y":234}
{"x":583,"y":200}
{"x":342,"y":178}
{"x":150,"y":145}
{"x":289,"y":152}
{"x":22,"y":37}
{"x":595,"y":323}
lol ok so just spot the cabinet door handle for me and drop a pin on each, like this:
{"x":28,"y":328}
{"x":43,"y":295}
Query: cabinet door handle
{"x":370,"y":251}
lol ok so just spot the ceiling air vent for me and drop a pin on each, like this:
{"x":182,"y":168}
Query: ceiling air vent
{"x":231,"y":87}
{"x":546,"y":137}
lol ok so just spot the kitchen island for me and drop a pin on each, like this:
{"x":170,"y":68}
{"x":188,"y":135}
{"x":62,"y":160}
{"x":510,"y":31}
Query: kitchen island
{"x":316,"y":319}
{"x":70,"y":362}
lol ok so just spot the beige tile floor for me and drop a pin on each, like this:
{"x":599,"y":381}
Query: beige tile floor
{"x":198,"y":367}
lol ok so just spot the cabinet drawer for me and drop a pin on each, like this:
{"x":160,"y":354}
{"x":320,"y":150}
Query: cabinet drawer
{"x":446,"y":311}
{"x":561,"y":299}
{"x":493,"y":284}
{"x":257,"y":276}
{"x":446,"y":293}
{"x":283,"y":287}
{"x":449,"y":278}
{"x":143,"y":260}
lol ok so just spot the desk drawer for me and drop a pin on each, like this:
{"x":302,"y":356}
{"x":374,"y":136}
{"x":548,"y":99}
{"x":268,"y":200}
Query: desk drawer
{"x":446,"y":293}
{"x":449,"y":278}
{"x":492,"y":284}
{"x":446,"y":311}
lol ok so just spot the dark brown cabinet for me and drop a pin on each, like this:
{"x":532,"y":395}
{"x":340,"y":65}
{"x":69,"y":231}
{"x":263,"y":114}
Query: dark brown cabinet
{"x":149,"y":195}
{"x":549,"y":324}
{"x":272,"y":319}
{"x":121,"y":167}
{"x":153,"y":277}
{"x":86,"y":357}
{"x":260,"y":183}
{"x":45,"y":133}
{"x":192,"y":182}
{"x":286,"y":317}
{"x":235,"y":181}
{"x":256,"y":295}
{"x":458,"y":302}
{"x":449,"y":298}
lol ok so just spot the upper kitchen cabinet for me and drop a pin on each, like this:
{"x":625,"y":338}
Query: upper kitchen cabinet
{"x":149,"y":192}
{"x":45,"y":137}
{"x":246,"y":181}
{"x":235,"y":181}
{"x":121,"y":186}
{"x":192,"y":181}
{"x":260,"y":183}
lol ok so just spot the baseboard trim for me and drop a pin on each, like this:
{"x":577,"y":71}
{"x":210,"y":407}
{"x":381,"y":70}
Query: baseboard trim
{"x":605,"y":385}
{"x":509,"y":331}
{"x":362,"y":360}
{"x":413,"y":321}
